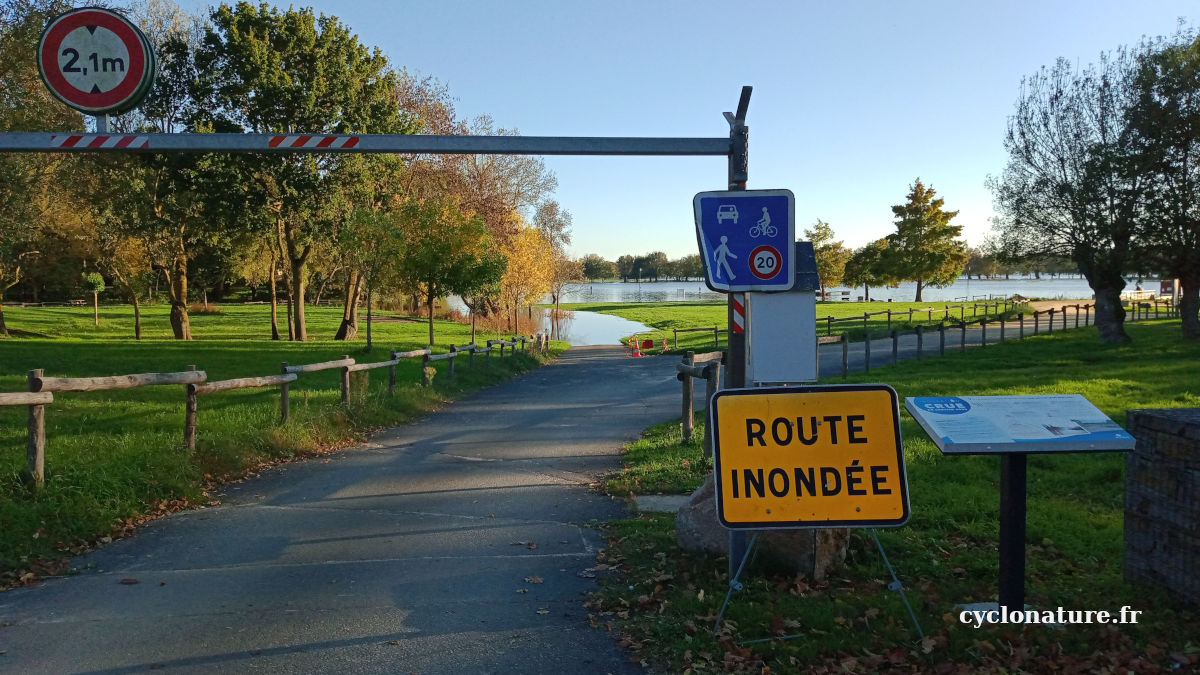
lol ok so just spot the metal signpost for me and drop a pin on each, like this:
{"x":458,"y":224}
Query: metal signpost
{"x":1013,"y":427}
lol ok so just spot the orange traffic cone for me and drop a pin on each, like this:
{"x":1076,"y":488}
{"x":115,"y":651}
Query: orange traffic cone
{"x":637,"y":349}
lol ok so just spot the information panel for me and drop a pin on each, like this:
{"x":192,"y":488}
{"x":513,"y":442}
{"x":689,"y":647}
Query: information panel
{"x":1017,"y":424}
{"x":802,"y":457}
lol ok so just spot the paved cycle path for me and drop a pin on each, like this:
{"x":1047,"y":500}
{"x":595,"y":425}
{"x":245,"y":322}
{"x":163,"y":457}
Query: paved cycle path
{"x":456,"y":544}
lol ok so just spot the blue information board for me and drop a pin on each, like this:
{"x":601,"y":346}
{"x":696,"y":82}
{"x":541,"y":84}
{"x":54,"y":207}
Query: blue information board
{"x":747,"y":239}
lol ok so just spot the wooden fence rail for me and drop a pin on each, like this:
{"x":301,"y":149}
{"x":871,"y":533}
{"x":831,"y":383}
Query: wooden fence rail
{"x":41,"y":390}
{"x":191,"y":407}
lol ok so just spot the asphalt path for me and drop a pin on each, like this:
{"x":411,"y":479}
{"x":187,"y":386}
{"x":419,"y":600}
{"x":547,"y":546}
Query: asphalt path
{"x":460,"y":543}
{"x":457,"y":544}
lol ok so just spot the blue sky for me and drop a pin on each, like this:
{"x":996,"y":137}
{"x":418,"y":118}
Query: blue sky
{"x":852,"y":100}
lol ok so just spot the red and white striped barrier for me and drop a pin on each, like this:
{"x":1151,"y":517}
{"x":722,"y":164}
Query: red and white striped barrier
{"x":321,"y":141}
{"x":98,"y":141}
{"x":739,"y":312}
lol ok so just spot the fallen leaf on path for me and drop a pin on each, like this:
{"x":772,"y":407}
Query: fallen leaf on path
{"x":129,"y":582}
{"x":543,"y":610}
{"x":534,"y":579}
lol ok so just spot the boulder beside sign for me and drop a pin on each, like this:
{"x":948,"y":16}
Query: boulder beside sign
{"x":799,"y":457}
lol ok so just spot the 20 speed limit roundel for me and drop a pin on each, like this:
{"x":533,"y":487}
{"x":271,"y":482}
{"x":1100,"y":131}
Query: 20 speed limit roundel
{"x":95,"y":61}
{"x":765,"y":262}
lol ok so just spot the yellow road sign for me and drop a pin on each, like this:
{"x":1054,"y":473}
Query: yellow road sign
{"x":821,"y":456}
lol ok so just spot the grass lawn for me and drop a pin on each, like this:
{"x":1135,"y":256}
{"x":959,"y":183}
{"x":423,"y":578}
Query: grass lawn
{"x":666,"y":601}
{"x":666,"y":316}
{"x":115,"y":457}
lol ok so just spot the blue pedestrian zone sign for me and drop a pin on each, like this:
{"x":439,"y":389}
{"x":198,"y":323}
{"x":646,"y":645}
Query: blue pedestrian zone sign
{"x":747,"y":239}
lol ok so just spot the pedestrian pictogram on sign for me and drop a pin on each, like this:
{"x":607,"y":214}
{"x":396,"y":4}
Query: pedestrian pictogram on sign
{"x":95,"y":61}
{"x":822,"y":456}
{"x":746,"y":239}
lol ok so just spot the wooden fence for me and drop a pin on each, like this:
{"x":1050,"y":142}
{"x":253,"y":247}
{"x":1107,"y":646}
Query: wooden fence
{"x":707,"y":366}
{"x":42,"y":389}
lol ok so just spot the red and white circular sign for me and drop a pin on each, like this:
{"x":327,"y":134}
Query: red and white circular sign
{"x":95,"y":61}
{"x":765,"y":262}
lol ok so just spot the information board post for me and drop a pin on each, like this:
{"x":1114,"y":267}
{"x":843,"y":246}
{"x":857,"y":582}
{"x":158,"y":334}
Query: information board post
{"x":735,"y":342}
{"x":1012,"y":531}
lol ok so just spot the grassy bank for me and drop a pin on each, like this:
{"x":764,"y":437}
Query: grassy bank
{"x":666,"y":600}
{"x":664,"y":317}
{"x":114,"y":457}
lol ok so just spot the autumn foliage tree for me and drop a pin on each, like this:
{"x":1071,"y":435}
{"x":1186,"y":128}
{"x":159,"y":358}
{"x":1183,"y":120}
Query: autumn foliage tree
{"x":925,"y":247}
{"x":529,"y":271}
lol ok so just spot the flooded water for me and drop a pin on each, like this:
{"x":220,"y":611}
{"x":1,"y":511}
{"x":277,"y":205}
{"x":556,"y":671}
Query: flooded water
{"x":591,"y":328}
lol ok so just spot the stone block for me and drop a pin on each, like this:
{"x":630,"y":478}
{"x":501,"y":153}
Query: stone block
{"x":811,"y":552}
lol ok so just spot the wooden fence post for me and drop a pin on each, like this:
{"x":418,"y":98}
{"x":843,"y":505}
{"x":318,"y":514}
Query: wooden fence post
{"x":1064,"y":316}
{"x":35,"y":446}
{"x":1077,"y":315}
{"x":845,"y":355}
{"x":1035,"y":321}
{"x":716,"y":336}
{"x":1002,"y":328}
{"x":345,"y":381}
{"x":941,"y":338}
{"x":686,"y":416}
{"x":189,"y":416}
{"x":392,"y":374}
{"x":889,"y":324}
{"x":284,"y":405}
{"x":1087,"y":314}
{"x":1050,"y":323}
{"x":676,"y":331}
{"x":454,"y":350}
{"x":920,"y":340}
{"x":712,"y":382}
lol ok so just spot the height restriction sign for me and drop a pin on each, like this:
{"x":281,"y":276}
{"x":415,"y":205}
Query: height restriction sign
{"x":796,"y":457}
{"x":747,"y":239}
{"x":95,"y":61}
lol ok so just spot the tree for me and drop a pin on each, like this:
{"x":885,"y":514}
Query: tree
{"x":924,"y":247}
{"x":565,"y":271}
{"x":95,"y":284}
{"x":595,"y":267}
{"x":831,"y":255}
{"x":1165,"y":126}
{"x":266,"y":70}
{"x":444,"y":250}
{"x":625,"y":267}
{"x":527,"y":277}
{"x":27,"y":180}
{"x":689,"y":267}
{"x":1067,"y":189}
{"x":867,"y":267}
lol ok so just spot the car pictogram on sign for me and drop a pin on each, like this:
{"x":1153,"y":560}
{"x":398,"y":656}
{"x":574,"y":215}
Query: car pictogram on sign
{"x":727,"y":212}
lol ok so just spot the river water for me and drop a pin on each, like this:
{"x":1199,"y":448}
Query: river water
{"x":591,"y":328}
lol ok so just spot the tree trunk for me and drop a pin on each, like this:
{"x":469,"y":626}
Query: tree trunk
{"x":429,"y":306}
{"x":1110,"y":315}
{"x":4,"y":326}
{"x":368,"y":317}
{"x":298,"y":284}
{"x":95,"y":308}
{"x":1189,"y":305}
{"x":274,"y":303}
{"x":866,"y":293}
{"x":181,"y":326}
{"x":920,"y":287}
{"x":473,"y":315}
{"x":349,"y":326}
{"x":137,"y":316}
